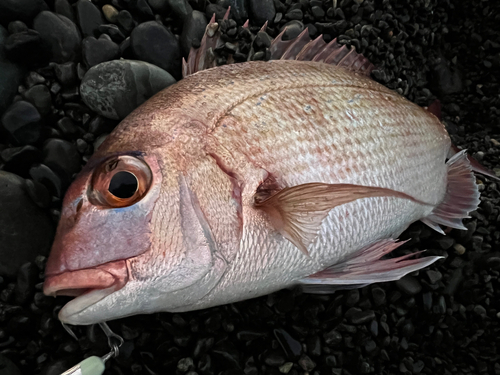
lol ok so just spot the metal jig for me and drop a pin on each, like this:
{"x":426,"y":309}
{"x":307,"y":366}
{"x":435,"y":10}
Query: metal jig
{"x":95,"y":365}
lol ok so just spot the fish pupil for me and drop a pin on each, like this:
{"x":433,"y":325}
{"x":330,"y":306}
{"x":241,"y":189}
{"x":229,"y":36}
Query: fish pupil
{"x":123,"y":185}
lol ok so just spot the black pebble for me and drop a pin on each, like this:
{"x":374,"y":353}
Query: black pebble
{"x":113,"y":31}
{"x":46,"y":176}
{"x":62,"y":157}
{"x":181,"y":8}
{"x":126,"y":20}
{"x":65,"y":73}
{"x":293,"y":29}
{"x":262,"y":11}
{"x":96,"y":51}
{"x":60,"y":36}
{"x":295,"y":14}
{"x":193,"y":30}
{"x":39,"y":96}
{"x":27,"y":277}
{"x":89,"y":18}
{"x":19,"y":159}
{"x":216,"y":9}
{"x":64,"y":8}
{"x":409,"y":285}
{"x":23,"y":123}
{"x":153,"y":43}
{"x":25,"y":47}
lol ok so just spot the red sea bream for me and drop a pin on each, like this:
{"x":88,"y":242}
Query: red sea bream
{"x":247,"y":178}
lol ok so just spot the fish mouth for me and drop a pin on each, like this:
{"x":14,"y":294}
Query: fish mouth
{"x":88,"y":285}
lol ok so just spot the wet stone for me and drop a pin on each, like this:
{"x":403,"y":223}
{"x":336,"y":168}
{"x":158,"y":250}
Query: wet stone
{"x":293,"y":29}
{"x":180,"y":7}
{"x":306,"y":363}
{"x":64,"y":8}
{"x":27,"y":277}
{"x":274,"y":359}
{"x":39,"y":96}
{"x":153,"y":43}
{"x":362,"y":317}
{"x":332,"y":338}
{"x":114,"y":89}
{"x":313,"y":346}
{"x":68,"y":127}
{"x":113,"y":31}
{"x":291,"y":346}
{"x":60,"y":36}
{"x":25,"y":47}
{"x":192,"y":31}
{"x":110,"y":13}
{"x":295,"y":14}
{"x":46,"y":176}
{"x":216,"y":9}
{"x":96,"y":51}
{"x":61,"y":156}
{"x":409,"y":285}
{"x":23,"y":123}
{"x":126,"y":20}
{"x":19,"y":159}
{"x":433,"y":276}
{"x":262,"y":11}
{"x":65,"y":73}
{"x":88,"y":17}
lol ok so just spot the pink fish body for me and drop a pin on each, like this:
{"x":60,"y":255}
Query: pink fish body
{"x":250,"y":178}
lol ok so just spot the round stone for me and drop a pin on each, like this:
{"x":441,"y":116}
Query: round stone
{"x":114,"y":89}
{"x":154,"y":43}
{"x":96,"y":51}
{"x":88,"y":17}
{"x":59,"y":35}
{"x":193,"y":30}
{"x":262,"y":11}
{"x":23,"y":123}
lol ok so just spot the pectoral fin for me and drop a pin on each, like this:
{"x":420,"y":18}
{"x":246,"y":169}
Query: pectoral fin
{"x":297,"y":212}
{"x":366,"y":267}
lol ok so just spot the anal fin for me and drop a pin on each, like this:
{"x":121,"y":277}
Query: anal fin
{"x":462,"y":195}
{"x":366,"y":267}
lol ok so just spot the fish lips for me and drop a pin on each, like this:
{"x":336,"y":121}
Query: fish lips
{"x":88,"y":285}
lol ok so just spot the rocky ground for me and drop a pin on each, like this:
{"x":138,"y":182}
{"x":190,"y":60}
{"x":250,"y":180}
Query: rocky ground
{"x":444,"y":320}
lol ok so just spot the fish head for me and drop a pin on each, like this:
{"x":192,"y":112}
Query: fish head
{"x":127,"y":240}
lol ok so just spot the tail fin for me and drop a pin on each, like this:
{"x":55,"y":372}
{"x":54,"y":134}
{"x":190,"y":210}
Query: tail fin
{"x":462,"y":195}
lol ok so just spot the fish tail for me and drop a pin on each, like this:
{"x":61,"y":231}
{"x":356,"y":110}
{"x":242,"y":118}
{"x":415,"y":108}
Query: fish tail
{"x":462,"y":195}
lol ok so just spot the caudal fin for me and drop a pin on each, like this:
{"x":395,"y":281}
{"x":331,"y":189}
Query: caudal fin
{"x":462,"y":195}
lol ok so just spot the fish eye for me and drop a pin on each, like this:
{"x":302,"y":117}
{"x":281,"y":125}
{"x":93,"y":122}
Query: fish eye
{"x":120,"y":181}
{"x":123,"y":185}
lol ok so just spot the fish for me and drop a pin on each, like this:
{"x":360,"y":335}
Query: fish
{"x":243,"y":179}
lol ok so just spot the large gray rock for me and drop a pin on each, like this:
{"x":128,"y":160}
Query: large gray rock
{"x":115,"y":88}
{"x":26,"y":230}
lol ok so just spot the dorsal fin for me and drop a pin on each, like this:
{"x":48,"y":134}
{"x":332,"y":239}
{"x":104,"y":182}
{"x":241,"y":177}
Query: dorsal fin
{"x":300,"y":48}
